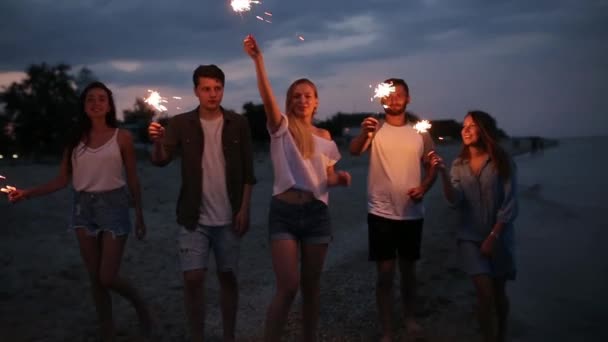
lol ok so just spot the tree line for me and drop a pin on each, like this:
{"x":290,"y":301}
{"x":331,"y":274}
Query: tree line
{"x":38,"y":113}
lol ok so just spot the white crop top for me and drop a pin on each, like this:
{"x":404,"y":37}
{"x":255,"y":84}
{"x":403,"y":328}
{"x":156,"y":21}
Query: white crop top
{"x":291,"y":170}
{"x":98,"y":169}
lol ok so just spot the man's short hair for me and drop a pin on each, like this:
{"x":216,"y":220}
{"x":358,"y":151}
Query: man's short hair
{"x":209,"y":71}
{"x":399,"y":81}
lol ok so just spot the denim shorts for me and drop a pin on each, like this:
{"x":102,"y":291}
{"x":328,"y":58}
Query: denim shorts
{"x":196,"y":245}
{"x":500,"y":265}
{"x":102,"y":211}
{"x":308,"y":222}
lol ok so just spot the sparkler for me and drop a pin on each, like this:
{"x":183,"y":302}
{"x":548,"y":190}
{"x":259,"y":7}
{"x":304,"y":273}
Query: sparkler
{"x":382,"y":90}
{"x":2,"y":177}
{"x":422,"y":126}
{"x":241,"y":6}
{"x":155,"y":101}
{"x":8,"y":189}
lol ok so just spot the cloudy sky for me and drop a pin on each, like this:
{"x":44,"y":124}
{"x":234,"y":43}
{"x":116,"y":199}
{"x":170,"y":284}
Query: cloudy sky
{"x":539,"y":66}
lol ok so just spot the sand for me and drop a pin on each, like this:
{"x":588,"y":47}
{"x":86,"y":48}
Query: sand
{"x":44,"y":292}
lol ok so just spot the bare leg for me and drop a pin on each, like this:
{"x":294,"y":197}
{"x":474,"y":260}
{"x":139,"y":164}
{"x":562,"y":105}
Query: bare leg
{"x":408,"y":296}
{"x":313,"y":257}
{"x":90,"y":251}
{"x":285,"y":265}
{"x":384,"y":297}
{"x":229,"y":300}
{"x":502,"y":308}
{"x":111,"y":256}
{"x":485,"y":306}
{"x":194,"y":302}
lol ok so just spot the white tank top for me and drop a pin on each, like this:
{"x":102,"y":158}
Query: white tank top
{"x":98,"y":169}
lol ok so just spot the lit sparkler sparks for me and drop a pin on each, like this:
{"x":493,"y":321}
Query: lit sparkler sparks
{"x":422,"y":126}
{"x":8,"y":189}
{"x":241,"y":6}
{"x":155,"y":100}
{"x":382,"y":90}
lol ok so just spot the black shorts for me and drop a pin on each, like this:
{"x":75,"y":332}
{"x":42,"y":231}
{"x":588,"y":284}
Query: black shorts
{"x":389,"y":238}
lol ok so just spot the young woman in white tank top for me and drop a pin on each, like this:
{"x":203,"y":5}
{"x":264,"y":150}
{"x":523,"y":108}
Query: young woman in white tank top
{"x":95,"y":160}
{"x":303,"y":158}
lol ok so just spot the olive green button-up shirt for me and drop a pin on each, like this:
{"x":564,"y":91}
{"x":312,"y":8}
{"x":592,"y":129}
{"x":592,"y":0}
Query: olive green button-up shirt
{"x":184,"y":134}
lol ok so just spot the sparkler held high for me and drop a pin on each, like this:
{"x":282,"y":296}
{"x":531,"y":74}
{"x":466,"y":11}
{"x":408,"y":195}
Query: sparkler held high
{"x":241,"y":6}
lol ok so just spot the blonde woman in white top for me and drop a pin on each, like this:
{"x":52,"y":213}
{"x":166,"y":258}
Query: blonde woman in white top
{"x":303,"y":159}
{"x":94,"y":161}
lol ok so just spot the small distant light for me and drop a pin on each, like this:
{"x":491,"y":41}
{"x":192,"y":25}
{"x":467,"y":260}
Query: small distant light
{"x":1,"y":156}
{"x":15,"y":156}
{"x":440,"y":138}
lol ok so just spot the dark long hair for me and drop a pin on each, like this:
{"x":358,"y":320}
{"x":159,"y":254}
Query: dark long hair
{"x":489,"y":142}
{"x":83,"y":124}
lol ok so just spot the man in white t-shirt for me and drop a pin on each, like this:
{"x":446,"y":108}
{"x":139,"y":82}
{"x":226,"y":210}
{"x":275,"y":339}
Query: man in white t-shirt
{"x":395,"y":212}
{"x":215,"y":194}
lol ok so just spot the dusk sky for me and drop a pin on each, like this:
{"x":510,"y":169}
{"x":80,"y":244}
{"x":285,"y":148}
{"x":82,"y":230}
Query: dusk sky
{"x":539,"y":66}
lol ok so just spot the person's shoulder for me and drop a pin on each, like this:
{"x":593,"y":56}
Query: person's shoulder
{"x":124,"y":136}
{"x":234,"y":116}
{"x":322,"y":133}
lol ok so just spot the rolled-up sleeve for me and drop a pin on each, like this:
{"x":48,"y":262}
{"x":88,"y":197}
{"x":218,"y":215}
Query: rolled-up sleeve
{"x":507,"y":211}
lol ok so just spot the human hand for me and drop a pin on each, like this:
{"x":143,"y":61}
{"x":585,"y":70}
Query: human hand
{"x":241,"y":222}
{"x":416,"y":193}
{"x":370,"y":125}
{"x":436,"y":161}
{"x":487,"y":247}
{"x":156,"y":131}
{"x":251,"y":47}
{"x":344,"y":178}
{"x":15,"y":195}
{"x":140,"y":229}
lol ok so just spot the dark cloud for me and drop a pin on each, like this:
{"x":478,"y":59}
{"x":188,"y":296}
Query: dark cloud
{"x":489,"y":50}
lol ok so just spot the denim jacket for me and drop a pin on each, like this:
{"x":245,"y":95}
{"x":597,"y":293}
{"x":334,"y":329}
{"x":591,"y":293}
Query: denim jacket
{"x":483,"y":200}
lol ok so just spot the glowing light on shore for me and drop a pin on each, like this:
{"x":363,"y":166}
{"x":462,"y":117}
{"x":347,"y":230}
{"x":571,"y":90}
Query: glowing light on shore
{"x":422,"y":126}
{"x":241,"y":6}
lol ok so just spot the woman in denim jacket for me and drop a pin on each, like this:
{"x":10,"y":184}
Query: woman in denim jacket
{"x":482,"y":187}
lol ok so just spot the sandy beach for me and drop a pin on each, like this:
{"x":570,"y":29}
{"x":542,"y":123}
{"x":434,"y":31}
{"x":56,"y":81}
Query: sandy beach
{"x":44,"y":292}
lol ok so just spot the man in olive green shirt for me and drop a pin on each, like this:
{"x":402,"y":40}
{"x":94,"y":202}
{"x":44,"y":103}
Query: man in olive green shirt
{"x":215,"y":194}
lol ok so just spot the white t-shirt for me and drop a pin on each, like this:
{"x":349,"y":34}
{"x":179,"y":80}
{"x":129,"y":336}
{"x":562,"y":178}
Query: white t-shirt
{"x":98,"y":169}
{"x":395,"y":167}
{"x":291,"y":170}
{"x":215,"y":205}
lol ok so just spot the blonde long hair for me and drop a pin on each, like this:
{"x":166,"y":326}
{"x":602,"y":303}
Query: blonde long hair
{"x":297,"y":127}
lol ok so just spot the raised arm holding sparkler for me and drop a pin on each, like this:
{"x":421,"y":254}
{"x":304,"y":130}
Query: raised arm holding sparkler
{"x":303,"y":158}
